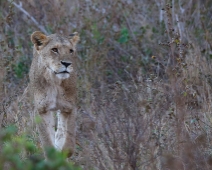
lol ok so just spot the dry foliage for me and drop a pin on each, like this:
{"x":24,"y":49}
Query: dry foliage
{"x":144,"y":78}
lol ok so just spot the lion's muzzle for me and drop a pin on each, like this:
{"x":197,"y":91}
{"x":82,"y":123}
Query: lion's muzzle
{"x":66,"y":64}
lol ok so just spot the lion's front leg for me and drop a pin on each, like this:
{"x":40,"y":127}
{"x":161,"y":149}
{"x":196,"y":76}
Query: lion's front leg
{"x":65,"y":134}
{"x":46,"y":130}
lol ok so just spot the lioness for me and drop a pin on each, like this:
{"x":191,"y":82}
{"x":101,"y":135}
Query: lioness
{"x":53,"y":86}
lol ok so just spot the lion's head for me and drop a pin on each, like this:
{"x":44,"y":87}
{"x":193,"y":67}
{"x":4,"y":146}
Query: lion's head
{"x":56,"y":53}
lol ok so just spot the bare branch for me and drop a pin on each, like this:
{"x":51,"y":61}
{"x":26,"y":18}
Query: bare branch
{"x":31,"y":17}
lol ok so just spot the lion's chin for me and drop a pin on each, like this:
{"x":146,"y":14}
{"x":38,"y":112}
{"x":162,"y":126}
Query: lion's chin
{"x":63,"y":75}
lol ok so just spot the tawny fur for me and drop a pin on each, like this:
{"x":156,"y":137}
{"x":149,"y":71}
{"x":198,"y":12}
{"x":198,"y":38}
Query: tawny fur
{"x":53,"y":87}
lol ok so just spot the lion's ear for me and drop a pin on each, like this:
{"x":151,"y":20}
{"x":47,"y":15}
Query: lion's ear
{"x":39,"y":39}
{"x":75,"y":38}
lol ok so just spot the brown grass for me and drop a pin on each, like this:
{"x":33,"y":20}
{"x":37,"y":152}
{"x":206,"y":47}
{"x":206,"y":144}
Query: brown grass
{"x":144,"y":79}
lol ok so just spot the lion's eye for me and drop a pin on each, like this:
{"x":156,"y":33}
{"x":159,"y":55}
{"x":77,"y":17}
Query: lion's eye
{"x":55,"y":50}
{"x":71,"y":51}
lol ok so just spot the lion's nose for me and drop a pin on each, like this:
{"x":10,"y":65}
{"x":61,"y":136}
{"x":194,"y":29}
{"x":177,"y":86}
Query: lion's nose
{"x":66,"y":64}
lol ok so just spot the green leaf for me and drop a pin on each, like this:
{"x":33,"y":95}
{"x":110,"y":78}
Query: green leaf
{"x":124,"y":36}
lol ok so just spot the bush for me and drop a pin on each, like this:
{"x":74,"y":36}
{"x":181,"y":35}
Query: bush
{"x":19,"y":152}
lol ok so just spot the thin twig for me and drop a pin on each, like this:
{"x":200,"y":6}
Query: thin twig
{"x":31,"y":17}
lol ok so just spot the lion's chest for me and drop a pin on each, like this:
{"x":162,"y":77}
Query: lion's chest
{"x":56,"y":99}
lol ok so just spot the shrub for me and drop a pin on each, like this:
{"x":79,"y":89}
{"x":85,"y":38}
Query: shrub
{"x":18,"y":152}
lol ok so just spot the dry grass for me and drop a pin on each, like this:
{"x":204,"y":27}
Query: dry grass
{"x":144,"y":79}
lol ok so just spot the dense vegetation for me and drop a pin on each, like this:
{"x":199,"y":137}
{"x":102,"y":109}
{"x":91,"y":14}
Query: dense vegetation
{"x":144,"y":82}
